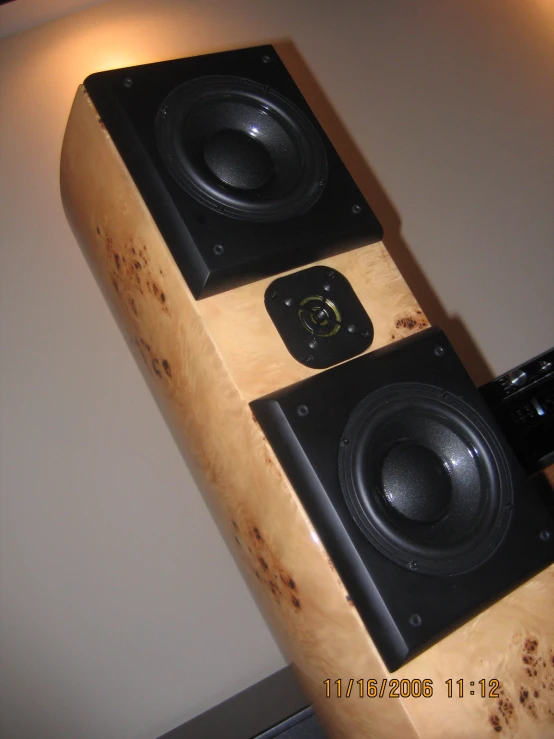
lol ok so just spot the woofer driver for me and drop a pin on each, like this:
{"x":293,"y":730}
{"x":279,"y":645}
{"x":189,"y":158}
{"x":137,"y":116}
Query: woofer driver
{"x":241,"y":148}
{"x":425,"y":479}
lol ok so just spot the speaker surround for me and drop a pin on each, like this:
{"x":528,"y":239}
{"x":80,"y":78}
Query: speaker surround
{"x":412,"y":488}
{"x":240,"y":148}
{"x":425,"y":479}
{"x":233,"y":165}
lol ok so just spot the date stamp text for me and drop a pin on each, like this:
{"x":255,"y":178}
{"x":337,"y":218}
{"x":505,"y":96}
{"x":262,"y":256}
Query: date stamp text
{"x":393,"y":688}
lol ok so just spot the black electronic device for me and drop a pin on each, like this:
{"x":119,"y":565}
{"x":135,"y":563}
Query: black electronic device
{"x":522,"y":402}
{"x":274,"y":708}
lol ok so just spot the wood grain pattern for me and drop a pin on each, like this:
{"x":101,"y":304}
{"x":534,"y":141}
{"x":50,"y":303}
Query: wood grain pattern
{"x":202,"y":377}
{"x":259,"y":361}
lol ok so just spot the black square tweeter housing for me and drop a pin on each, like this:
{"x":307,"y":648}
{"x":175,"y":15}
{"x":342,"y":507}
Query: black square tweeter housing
{"x":318,"y":316}
{"x":410,"y":485}
{"x":233,"y":166}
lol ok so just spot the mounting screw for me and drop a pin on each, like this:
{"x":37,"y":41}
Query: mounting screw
{"x":414,"y":564}
{"x":163,"y":110}
{"x":266,"y":58}
{"x":366,"y":334}
{"x":127,"y":82}
{"x":545,"y":535}
{"x":438,"y":351}
{"x":309,"y":359}
{"x":218,"y":250}
{"x":331,"y":275}
{"x":289,"y":301}
{"x":345,"y":441}
{"x":351,"y":328}
{"x":273,"y":294}
{"x":415,"y":619}
{"x":327,"y":287}
{"x":356,"y":209}
{"x":302,"y":410}
{"x":313,"y":344}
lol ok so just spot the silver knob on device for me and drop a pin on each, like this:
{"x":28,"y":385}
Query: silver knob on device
{"x":518,"y":378}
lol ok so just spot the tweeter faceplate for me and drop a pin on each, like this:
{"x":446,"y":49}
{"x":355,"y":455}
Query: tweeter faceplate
{"x":319,"y":317}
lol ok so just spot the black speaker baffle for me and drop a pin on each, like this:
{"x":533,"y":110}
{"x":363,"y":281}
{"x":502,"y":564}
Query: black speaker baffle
{"x":319,"y":316}
{"x":411,"y":486}
{"x":233,"y":165}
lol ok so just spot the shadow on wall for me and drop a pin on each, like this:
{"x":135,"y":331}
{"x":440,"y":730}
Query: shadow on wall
{"x":374,"y":193}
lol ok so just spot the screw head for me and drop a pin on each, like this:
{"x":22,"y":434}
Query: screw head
{"x":327,"y":287}
{"x":366,"y":334}
{"x":266,"y":58}
{"x":438,"y":351}
{"x":351,"y":328}
{"x":313,"y":344}
{"x":218,"y":250}
{"x":309,"y":359}
{"x":127,"y":82}
{"x":345,"y":441}
{"x":273,"y":294}
{"x":356,"y":209}
{"x":415,"y":619}
{"x":289,"y":301}
{"x":414,"y":564}
{"x":302,"y":410}
{"x":545,"y":535}
{"x":331,"y":275}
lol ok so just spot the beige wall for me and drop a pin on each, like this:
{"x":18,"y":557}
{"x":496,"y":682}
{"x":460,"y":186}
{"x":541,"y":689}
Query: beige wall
{"x":122,"y":614}
{"x":24,"y":14}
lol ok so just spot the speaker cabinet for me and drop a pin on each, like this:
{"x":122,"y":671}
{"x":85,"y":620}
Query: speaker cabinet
{"x":342,"y":570}
{"x":415,"y":493}
{"x":234,"y":167}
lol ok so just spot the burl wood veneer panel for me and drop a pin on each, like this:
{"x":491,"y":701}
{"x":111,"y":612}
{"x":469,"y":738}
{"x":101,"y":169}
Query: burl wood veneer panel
{"x":204,"y":361}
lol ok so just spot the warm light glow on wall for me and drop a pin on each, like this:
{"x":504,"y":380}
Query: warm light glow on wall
{"x":547,"y":7}
{"x":105,"y":40}
{"x":113,"y":43}
{"x":545,"y":13}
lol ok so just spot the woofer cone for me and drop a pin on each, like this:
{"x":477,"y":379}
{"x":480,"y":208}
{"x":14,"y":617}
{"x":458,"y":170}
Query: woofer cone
{"x":241,"y":149}
{"x":425,"y":479}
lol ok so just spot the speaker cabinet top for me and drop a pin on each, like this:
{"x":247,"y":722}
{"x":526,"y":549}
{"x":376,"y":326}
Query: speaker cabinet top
{"x":236,"y":170}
